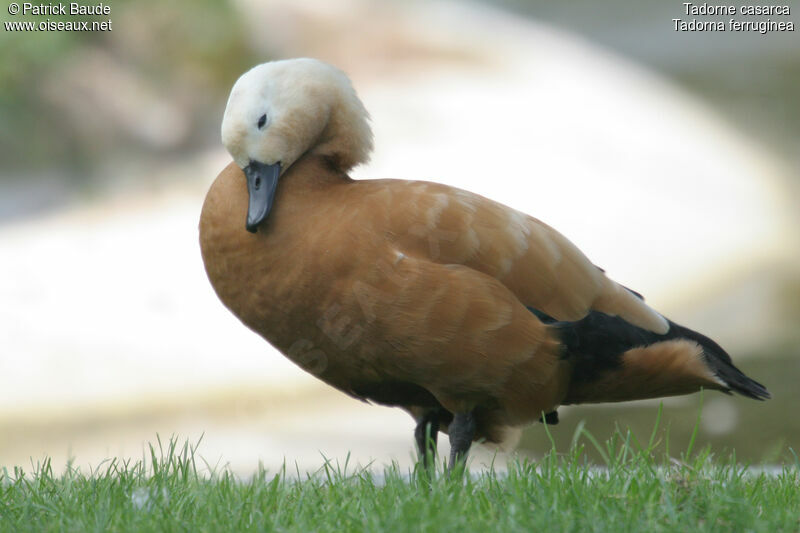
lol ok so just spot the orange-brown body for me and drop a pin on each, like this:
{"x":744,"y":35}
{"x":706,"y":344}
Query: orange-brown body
{"x":409,"y":293}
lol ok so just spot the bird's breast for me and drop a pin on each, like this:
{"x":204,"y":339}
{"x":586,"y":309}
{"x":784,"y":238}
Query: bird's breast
{"x":295,"y":281}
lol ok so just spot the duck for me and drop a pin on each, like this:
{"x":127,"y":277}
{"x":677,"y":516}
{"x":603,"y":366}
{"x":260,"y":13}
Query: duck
{"x":475,"y":318}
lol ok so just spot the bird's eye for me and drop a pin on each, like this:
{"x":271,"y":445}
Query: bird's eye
{"x":262,"y":120}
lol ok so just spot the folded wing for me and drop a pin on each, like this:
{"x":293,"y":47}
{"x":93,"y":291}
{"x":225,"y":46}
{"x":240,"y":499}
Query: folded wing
{"x":541,"y":267}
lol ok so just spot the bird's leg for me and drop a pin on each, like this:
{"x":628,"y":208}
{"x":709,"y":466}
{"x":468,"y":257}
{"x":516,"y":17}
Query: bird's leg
{"x":462,"y":431}
{"x":426,"y":433}
{"x":550,"y":418}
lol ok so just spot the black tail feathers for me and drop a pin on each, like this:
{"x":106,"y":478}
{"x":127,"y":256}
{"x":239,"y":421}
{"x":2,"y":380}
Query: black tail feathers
{"x":597,"y":342}
{"x":721,"y":364}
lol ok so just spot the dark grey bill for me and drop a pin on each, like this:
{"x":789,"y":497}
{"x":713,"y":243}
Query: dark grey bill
{"x":262,"y":180}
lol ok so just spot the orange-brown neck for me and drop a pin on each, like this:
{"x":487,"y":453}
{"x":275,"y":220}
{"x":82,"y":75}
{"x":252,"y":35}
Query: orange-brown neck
{"x":312,"y":172}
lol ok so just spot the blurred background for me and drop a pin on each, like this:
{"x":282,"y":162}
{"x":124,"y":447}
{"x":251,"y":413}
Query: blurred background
{"x":671,"y":158}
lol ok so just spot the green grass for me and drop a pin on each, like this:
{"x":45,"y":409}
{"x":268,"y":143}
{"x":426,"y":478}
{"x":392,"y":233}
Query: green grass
{"x":635,"y":491}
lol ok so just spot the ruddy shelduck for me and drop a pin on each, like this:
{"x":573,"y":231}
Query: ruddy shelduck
{"x":473,"y":317}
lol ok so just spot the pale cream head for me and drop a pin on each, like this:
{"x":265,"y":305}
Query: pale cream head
{"x":280,"y":110}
